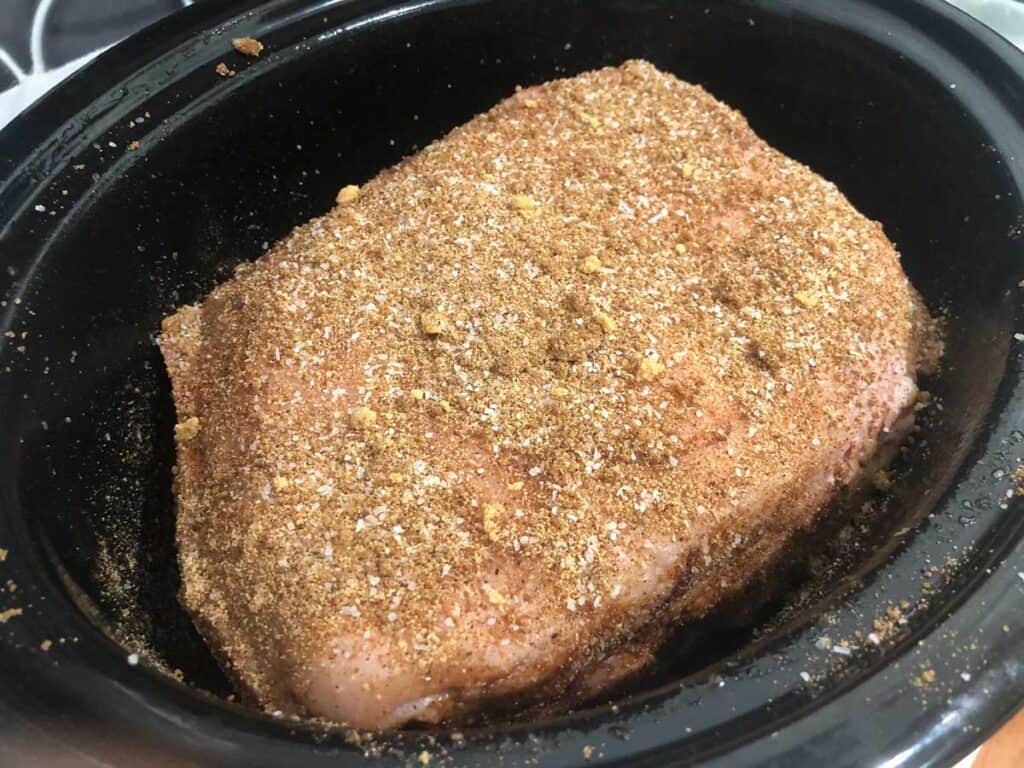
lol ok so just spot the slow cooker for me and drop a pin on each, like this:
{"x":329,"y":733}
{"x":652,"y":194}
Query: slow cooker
{"x":140,"y":182}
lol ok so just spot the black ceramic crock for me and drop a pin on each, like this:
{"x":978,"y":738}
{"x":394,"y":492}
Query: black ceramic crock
{"x":140,"y":182}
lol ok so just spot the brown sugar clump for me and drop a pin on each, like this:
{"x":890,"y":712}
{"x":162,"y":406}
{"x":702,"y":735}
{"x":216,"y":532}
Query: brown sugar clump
{"x":247,"y":46}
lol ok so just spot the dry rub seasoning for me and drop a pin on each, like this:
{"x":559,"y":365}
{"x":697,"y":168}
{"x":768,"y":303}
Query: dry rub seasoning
{"x":601,"y":313}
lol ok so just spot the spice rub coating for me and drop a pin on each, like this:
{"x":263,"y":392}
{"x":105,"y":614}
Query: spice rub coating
{"x":491,"y":426}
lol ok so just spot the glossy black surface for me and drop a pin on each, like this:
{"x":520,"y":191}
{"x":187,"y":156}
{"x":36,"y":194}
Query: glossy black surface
{"x":911,"y":108}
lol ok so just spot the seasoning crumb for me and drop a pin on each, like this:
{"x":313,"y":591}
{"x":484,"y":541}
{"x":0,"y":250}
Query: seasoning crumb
{"x":3,"y":554}
{"x":607,"y":323}
{"x":530,"y":103}
{"x":808,"y":298}
{"x":491,"y":514}
{"x":280,"y":483}
{"x":363,"y":417}
{"x":1018,"y":478}
{"x":187,"y":430}
{"x":247,"y":46}
{"x":588,"y":752}
{"x":133,"y":145}
{"x":347,"y":194}
{"x":589,"y":119}
{"x":649,"y":368}
{"x":45,"y":646}
{"x":590,"y":265}
{"x":525,"y":204}
{"x":882,"y":480}
{"x":10,"y":613}
{"x":224,"y":70}
{"x":424,"y":757}
{"x":433,"y":323}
